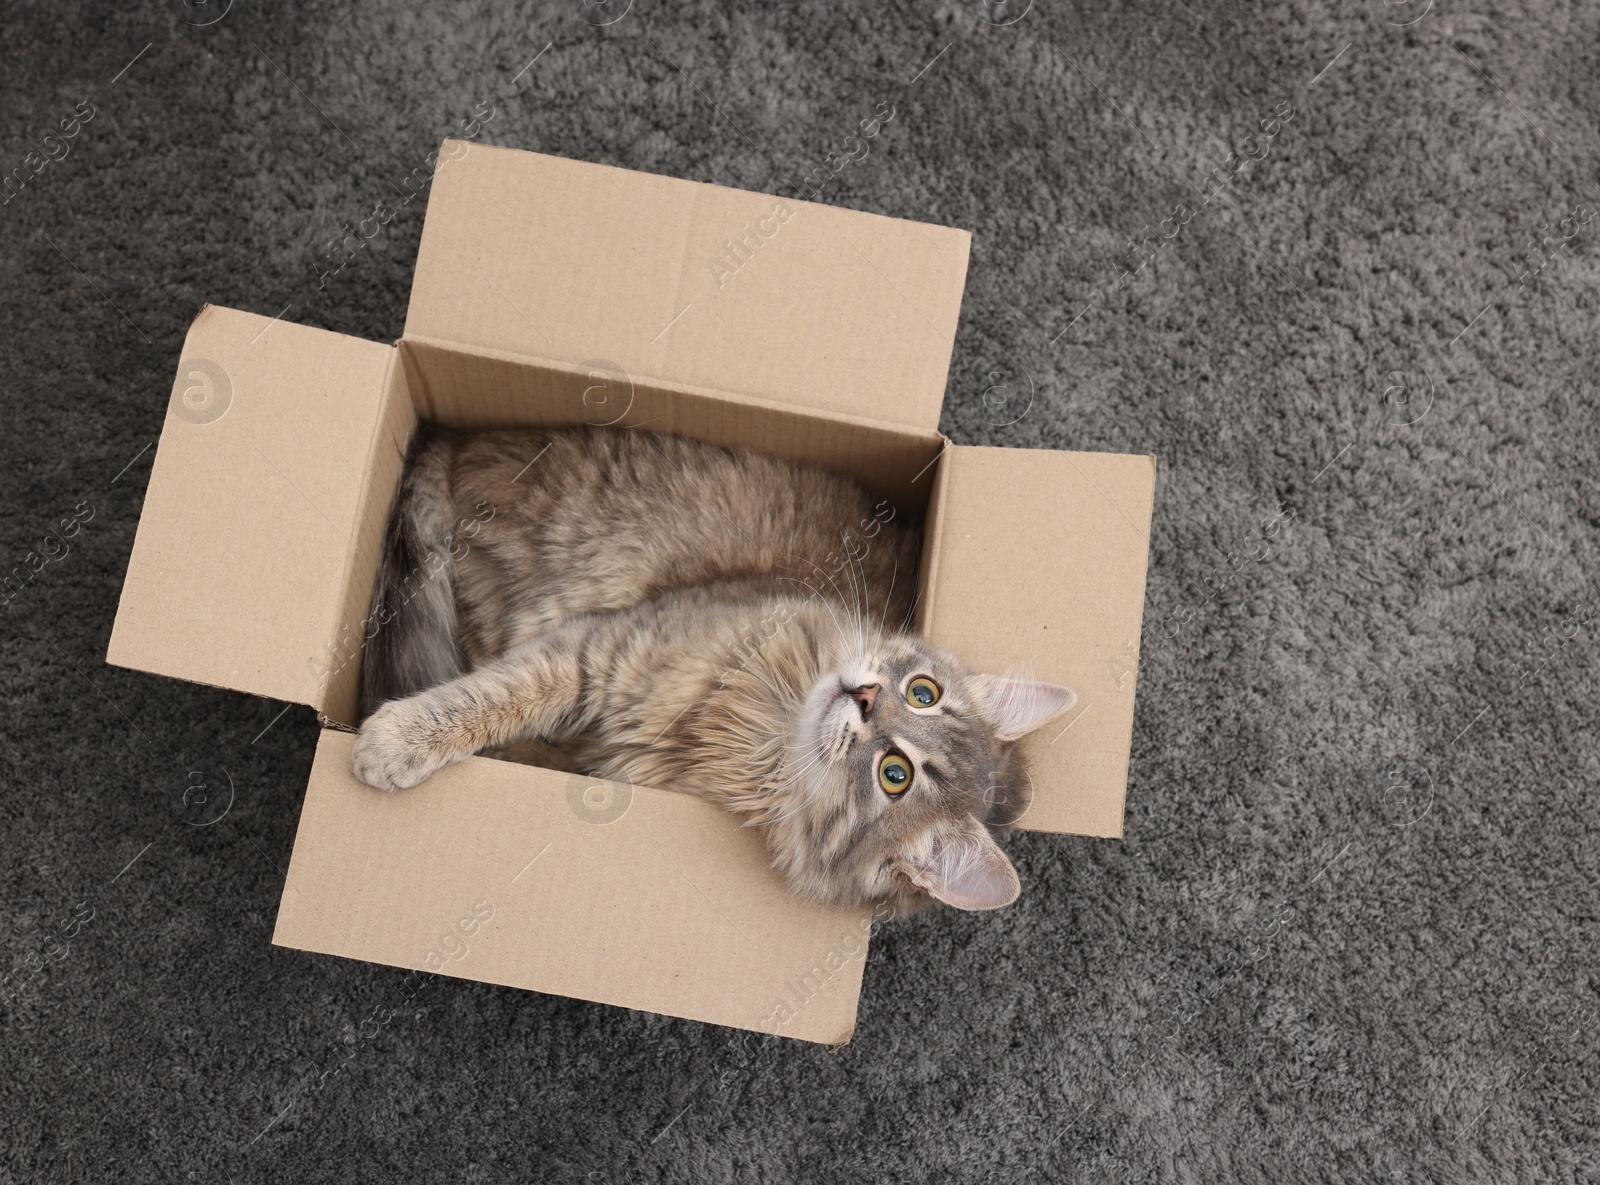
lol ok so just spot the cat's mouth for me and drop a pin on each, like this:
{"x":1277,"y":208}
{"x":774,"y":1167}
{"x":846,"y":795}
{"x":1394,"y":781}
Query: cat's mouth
{"x":840,"y":716}
{"x":848,"y":728}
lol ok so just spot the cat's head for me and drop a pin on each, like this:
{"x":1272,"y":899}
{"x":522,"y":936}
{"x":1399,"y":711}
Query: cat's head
{"x":902,"y":761}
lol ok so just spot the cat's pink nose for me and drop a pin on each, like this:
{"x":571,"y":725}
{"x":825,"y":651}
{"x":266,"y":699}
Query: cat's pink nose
{"x":866,"y":697}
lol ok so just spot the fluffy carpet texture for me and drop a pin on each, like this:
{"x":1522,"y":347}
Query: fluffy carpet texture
{"x":1337,"y":267}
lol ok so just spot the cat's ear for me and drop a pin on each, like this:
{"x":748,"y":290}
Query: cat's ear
{"x":1015,"y":707}
{"x":968,"y":871}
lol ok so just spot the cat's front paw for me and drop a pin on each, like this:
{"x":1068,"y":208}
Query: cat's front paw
{"x":393,"y":749}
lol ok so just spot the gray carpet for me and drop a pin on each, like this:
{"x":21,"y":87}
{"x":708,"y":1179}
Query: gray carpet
{"x":1351,"y":933}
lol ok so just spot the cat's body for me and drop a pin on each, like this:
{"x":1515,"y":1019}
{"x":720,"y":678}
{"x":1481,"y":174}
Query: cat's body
{"x":677,"y":615}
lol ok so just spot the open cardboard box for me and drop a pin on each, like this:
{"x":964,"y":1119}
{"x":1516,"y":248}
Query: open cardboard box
{"x":551,"y":292}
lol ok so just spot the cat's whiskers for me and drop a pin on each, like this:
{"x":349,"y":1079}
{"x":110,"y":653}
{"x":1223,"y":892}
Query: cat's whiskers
{"x":911,"y":611}
{"x":844,"y":638}
{"x":874,"y":654}
{"x":888,"y":597}
{"x":789,"y":787}
{"x":850,"y":565}
{"x":850,"y":604}
{"x":818,"y":593}
{"x":797,"y":802}
{"x":814,"y":754}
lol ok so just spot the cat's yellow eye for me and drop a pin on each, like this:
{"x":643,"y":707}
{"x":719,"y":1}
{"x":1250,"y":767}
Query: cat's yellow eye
{"x":922,"y":692}
{"x":894,"y":774}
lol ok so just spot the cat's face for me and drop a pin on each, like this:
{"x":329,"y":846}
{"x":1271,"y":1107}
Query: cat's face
{"x":903,"y":758}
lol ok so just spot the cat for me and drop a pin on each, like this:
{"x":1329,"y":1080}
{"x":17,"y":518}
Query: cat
{"x":645,"y":607}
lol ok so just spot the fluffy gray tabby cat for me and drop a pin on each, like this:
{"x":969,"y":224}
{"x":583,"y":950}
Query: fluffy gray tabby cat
{"x":652,"y":609}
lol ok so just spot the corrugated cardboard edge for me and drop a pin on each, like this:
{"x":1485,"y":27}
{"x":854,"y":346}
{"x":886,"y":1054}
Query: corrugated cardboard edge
{"x":1138,"y":641}
{"x":932,"y":540}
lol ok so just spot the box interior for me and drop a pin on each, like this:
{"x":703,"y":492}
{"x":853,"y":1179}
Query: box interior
{"x":473,"y":388}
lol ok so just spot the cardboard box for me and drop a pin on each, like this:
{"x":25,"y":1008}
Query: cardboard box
{"x":551,"y":292}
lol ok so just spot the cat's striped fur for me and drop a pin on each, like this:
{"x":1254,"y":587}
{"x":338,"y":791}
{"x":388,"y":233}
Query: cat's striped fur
{"x":646,"y":607}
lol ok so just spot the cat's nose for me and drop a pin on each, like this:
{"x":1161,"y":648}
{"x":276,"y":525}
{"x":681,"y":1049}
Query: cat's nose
{"x":866,"y":697}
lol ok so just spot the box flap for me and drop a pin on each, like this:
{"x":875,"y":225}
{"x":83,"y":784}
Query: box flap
{"x":1038,"y":567}
{"x":682,"y":282}
{"x":534,"y":879}
{"x":239,"y":572}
